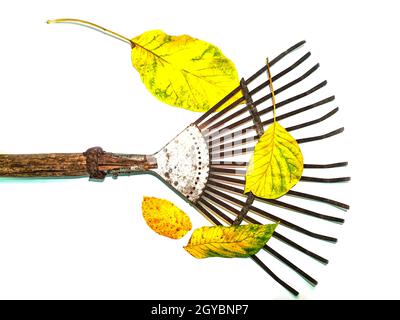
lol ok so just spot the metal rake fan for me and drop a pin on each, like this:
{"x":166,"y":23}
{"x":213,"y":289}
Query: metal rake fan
{"x":206,"y":164}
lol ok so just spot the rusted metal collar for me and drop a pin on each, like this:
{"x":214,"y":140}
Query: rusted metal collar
{"x":92,"y":163}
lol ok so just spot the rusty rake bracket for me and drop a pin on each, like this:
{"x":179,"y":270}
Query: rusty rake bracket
{"x":260,"y":131}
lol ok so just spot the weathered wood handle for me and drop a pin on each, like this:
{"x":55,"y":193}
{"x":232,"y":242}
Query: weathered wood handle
{"x":94,"y":163}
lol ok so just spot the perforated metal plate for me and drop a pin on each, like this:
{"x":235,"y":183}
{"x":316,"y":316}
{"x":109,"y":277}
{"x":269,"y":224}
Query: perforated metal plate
{"x":184,"y":163}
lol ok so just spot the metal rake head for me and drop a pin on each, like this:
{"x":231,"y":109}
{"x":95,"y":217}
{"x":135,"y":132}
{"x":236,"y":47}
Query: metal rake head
{"x":206,"y":163}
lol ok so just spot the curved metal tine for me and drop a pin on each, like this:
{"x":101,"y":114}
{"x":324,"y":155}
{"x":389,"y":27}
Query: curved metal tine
{"x":321,"y":137}
{"x":325,"y":180}
{"x":241,"y":151}
{"x":230,"y":153}
{"x":312,"y":122}
{"x":281,"y":204}
{"x":202,"y":210}
{"x":227,"y":171}
{"x":252,"y":92}
{"x":266,"y":110}
{"x":290,"y":192}
{"x":267,"y":248}
{"x":248,"y":81}
{"x":230,"y":164}
{"x":284,"y":239}
{"x":256,"y":103}
{"x":230,"y":169}
{"x":268,"y":216}
{"x":326,"y":166}
{"x":229,"y":145}
{"x":298,"y":194}
{"x":309,"y":196}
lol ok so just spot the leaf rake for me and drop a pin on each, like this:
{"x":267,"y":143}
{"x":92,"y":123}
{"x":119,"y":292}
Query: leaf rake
{"x":206,"y":163}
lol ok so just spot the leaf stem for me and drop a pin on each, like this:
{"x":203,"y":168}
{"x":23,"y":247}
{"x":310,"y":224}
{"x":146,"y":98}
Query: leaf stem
{"x":271,"y":87}
{"x":94,"y":27}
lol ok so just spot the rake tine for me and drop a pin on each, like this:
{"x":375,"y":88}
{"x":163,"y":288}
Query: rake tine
{"x":241,"y":151}
{"x":293,"y":244}
{"x":264,"y":123}
{"x":290,"y":243}
{"x":253,"y":257}
{"x":231,"y":144}
{"x":229,"y":164}
{"x":291,"y":84}
{"x":290,"y":264}
{"x":228,"y":170}
{"x":279,"y":203}
{"x":297,"y":111}
{"x":324,"y":136}
{"x":275,"y":60}
{"x":292,"y":225}
{"x":266,"y":247}
{"x":283,"y":116}
{"x":325,"y":180}
{"x":298,"y":194}
{"x":248,"y":81}
{"x":228,"y":179}
{"x":226,"y":187}
{"x":312,"y":122}
{"x":252,"y":92}
{"x":274,"y":276}
{"x":290,"y":192}
{"x":261,"y":100}
{"x":282,"y":238}
{"x":206,"y":214}
{"x":294,"y":98}
{"x":307,"y":212}
{"x":326,"y":166}
{"x":318,"y":198}
{"x":264,"y":214}
{"x":219,"y":104}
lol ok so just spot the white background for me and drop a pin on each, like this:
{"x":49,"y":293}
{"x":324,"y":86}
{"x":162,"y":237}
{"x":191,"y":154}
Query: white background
{"x":65,"y":88}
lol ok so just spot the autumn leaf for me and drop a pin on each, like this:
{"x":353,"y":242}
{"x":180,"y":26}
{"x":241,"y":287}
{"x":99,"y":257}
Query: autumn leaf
{"x":276,"y":165}
{"x":179,"y":70}
{"x":229,"y":242}
{"x":165,"y":218}
{"x":277,"y":162}
{"x":183,"y":71}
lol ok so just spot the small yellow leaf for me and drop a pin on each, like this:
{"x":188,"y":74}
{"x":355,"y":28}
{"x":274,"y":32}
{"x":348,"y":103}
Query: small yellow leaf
{"x":165,"y":218}
{"x":276,"y":165}
{"x":229,"y":242}
{"x":183,"y":71}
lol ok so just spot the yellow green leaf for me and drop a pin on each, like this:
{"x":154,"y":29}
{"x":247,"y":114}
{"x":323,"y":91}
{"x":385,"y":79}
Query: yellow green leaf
{"x":179,"y":70}
{"x":183,"y":71}
{"x":276,"y":165}
{"x":165,"y":218}
{"x":229,"y":242}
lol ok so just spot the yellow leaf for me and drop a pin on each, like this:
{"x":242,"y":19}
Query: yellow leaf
{"x":179,"y":70}
{"x":165,"y":218}
{"x":276,"y":165}
{"x":183,"y":71}
{"x":229,"y":242}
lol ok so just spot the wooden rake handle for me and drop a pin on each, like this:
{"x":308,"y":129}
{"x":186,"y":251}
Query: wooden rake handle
{"x":94,"y":163}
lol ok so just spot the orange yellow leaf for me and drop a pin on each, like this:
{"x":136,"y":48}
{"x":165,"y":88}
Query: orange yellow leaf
{"x":165,"y":218}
